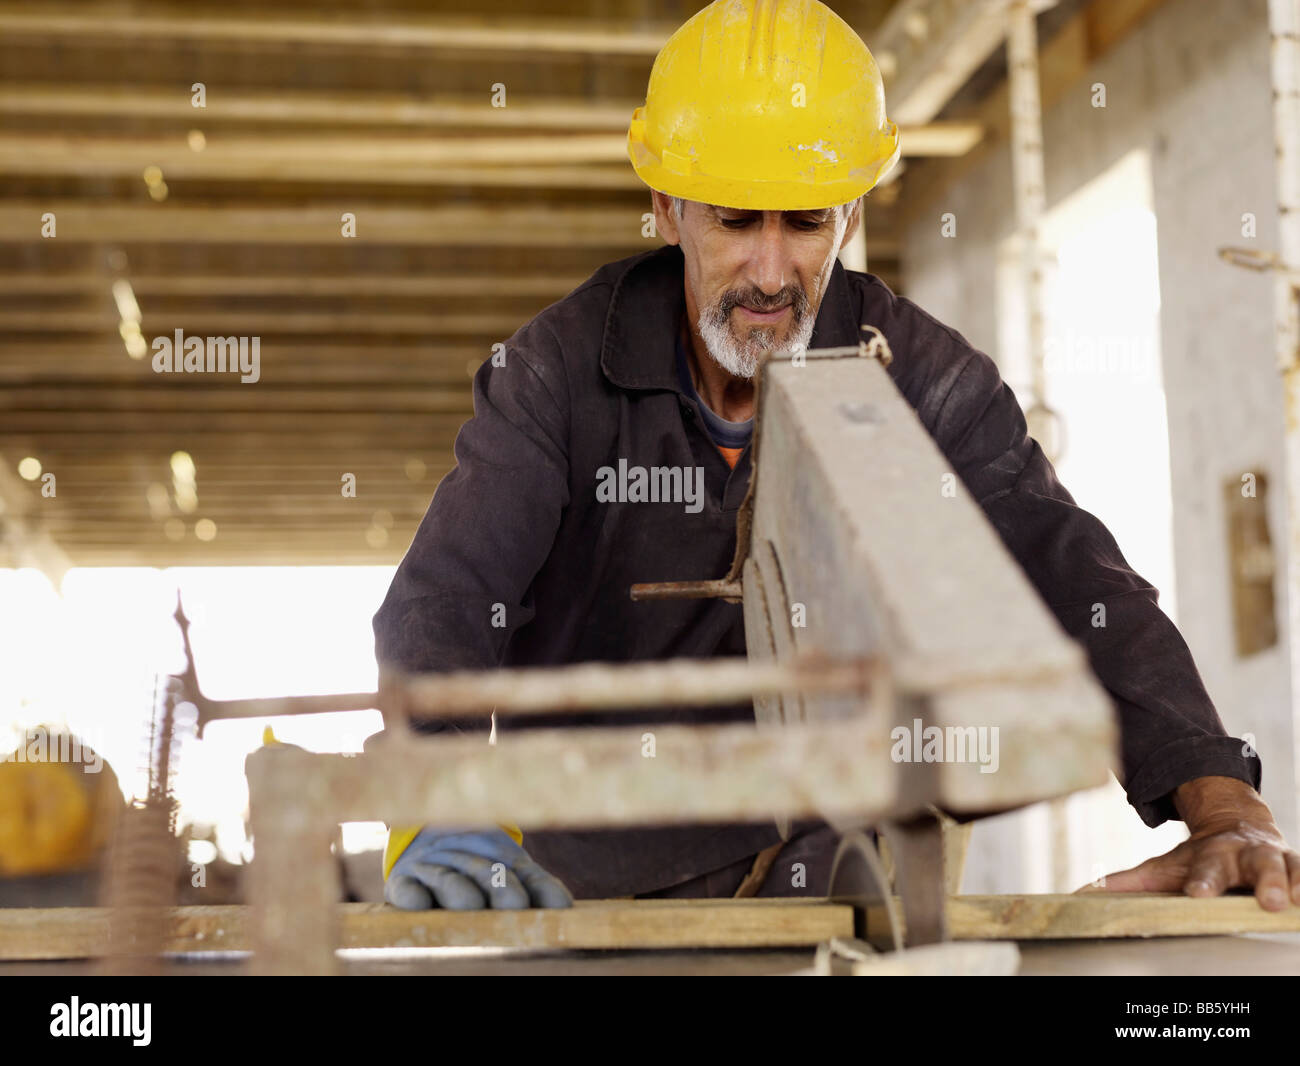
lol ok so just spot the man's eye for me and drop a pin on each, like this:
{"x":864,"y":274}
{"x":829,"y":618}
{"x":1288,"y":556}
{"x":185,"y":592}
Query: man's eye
{"x":735,"y":223}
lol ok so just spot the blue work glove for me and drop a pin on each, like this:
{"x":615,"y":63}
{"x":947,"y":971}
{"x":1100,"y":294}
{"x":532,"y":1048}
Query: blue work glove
{"x":462,"y":870}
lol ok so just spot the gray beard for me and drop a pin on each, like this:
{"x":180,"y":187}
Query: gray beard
{"x":741,"y":360}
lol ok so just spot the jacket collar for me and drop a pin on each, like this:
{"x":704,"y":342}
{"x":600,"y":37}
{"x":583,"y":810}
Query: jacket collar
{"x":648,"y":301}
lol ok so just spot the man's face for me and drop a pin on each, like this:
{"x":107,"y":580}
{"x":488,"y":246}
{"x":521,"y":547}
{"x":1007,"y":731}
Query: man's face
{"x":754,"y":279}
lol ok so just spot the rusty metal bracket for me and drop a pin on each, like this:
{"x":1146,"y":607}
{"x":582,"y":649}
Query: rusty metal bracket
{"x":1257,"y":259}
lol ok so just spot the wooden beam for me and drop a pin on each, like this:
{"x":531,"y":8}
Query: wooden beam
{"x":292,"y":156}
{"x":929,"y":48}
{"x":544,"y":226}
{"x":189,"y":396}
{"x":270,"y":551}
{"x":261,"y":323}
{"x":345,"y":258}
{"x":102,"y":21}
{"x":949,"y":138}
{"x":577,"y":160}
{"x":81,"y":932}
{"x":539,"y":226}
{"x":1106,"y":914}
{"x":214,"y":554}
{"x":269,"y":439}
{"x":1063,"y":61}
{"x":570,"y":161}
{"x":592,"y":777}
{"x":317,"y":108}
{"x":97,"y":359}
{"x":351,"y":285}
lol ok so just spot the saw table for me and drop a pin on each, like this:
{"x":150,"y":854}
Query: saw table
{"x":876,"y":598}
{"x":900,"y":665}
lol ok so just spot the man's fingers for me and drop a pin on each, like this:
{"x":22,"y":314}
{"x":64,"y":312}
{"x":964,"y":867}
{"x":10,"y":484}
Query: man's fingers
{"x":499,"y":886}
{"x":545,"y":890}
{"x":1293,"y":873}
{"x":494,"y":846}
{"x":450,"y":889}
{"x":1265,"y":868}
{"x":1211,"y":874}
{"x":407,"y":893}
{"x":1155,"y":875}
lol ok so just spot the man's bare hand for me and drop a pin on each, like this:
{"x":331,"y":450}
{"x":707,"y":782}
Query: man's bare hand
{"x":1234,"y":843}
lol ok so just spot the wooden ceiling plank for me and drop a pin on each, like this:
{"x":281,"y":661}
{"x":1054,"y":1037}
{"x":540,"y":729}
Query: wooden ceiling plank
{"x":576,"y":160}
{"x":266,"y":400}
{"x":305,"y":284}
{"x":324,"y":108}
{"x":292,"y":29}
{"x":248,"y":223}
{"x":262,"y":323}
{"x":1062,"y":62}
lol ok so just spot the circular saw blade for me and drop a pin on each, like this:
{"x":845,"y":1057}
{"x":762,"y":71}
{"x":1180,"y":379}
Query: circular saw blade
{"x":858,"y":878}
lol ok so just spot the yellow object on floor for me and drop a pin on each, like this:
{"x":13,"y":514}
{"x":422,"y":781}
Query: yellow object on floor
{"x":56,"y":813}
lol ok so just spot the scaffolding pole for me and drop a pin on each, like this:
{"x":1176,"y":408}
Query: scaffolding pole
{"x":1284,"y":27}
{"x":1030,"y":201}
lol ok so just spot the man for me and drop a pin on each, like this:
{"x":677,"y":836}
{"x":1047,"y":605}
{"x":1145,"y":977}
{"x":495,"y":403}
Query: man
{"x":764,"y":126}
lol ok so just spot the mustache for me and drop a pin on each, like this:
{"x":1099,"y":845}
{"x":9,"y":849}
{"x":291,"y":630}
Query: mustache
{"x":794,"y":296}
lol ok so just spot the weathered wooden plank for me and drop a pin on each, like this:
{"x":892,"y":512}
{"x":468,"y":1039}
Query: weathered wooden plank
{"x":79,"y":932}
{"x":213,"y":286}
{"x":164,"y":393}
{"x":1108,"y":914}
{"x":923,"y":71}
{"x":253,"y":222}
{"x":596,"y":777}
{"x":563,"y":159}
{"x":398,"y":110}
{"x":202,"y":322}
{"x":289,"y":27}
{"x":1073,"y":50}
{"x":569,"y":160}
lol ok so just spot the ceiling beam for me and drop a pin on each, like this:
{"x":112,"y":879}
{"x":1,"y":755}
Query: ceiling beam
{"x":1062,"y":62}
{"x":928,"y":49}
{"x":105,"y":363}
{"x":288,"y":551}
{"x":162,"y":395}
{"x":207,"y":26}
{"x":305,"y":284}
{"x":261,"y":323}
{"x":291,"y":107}
{"x":573,"y":159}
{"x":249,"y":223}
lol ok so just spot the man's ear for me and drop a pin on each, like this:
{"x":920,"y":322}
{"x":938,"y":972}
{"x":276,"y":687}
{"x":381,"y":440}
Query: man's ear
{"x":665,"y":217}
{"x":855,"y":220}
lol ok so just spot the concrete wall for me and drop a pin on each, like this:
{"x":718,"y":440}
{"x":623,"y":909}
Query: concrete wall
{"x":1191,"y":86}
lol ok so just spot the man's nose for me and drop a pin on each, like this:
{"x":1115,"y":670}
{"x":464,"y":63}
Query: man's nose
{"x":771,"y":256}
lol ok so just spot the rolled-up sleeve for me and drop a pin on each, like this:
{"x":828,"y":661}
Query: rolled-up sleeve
{"x":1170,"y":730}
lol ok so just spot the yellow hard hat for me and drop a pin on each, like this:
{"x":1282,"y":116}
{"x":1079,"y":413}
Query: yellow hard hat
{"x":55,"y":816}
{"x":764,"y":105}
